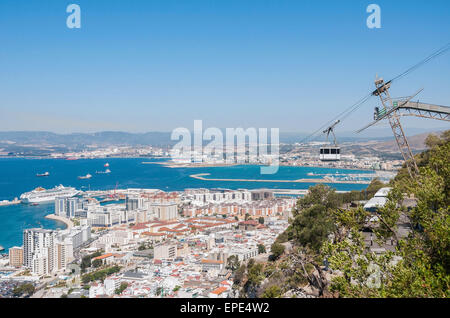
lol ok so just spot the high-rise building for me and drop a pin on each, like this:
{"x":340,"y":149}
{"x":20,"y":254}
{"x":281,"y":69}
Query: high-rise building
{"x":133,"y":203}
{"x":69,"y":207}
{"x":165,"y":211}
{"x":38,"y":250}
{"x":16,"y":256}
{"x":61,"y":206}
{"x":73,"y":205}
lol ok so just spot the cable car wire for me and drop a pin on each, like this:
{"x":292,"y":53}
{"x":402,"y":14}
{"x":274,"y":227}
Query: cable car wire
{"x":347,"y":112}
{"x":432,"y":56}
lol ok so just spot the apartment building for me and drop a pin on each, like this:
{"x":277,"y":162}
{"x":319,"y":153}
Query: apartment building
{"x":16,"y":256}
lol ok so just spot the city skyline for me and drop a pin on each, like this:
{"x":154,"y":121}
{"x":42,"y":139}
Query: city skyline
{"x":156,"y":66}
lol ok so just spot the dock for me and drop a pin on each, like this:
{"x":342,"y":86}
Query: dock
{"x":12,"y":202}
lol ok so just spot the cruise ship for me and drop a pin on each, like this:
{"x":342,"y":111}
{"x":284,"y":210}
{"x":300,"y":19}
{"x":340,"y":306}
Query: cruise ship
{"x":41,"y":195}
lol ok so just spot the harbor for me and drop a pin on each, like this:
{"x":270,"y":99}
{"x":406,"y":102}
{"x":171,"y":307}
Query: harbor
{"x":8,"y":203}
{"x":129,"y":174}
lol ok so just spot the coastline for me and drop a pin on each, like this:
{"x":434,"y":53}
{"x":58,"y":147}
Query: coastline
{"x":201,"y":176}
{"x":169,"y":164}
{"x":69,"y":224}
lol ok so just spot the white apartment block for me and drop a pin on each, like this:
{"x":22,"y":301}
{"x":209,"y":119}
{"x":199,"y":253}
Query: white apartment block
{"x":164,"y":251}
{"x":49,"y":251}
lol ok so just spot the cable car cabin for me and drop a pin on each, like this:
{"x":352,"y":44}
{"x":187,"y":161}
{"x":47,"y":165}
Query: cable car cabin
{"x":330,"y":153}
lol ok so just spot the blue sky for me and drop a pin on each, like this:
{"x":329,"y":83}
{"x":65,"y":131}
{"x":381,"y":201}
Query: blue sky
{"x":156,"y":65}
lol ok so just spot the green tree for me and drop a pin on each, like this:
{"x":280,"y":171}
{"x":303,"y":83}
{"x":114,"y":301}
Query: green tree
{"x":272,"y":292}
{"x":239,"y":275}
{"x":433,"y":141}
{"x":97,"y":263}
{"x":121,"y":288}
{"x":261,"y":249}
{"x":233,"y":263}
{"x":142,"y":247}
{"x":26,"y":289}
{"x":313,"y":221}
{"x":420,"y":266}
{"x":277,"y":250}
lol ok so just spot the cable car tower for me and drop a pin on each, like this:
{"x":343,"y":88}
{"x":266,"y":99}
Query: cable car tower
{"x":393,"y":109}
{"x":330,"y":152}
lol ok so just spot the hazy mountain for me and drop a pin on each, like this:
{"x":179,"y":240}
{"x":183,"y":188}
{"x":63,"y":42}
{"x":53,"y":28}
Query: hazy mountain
{"x":16,"y":141}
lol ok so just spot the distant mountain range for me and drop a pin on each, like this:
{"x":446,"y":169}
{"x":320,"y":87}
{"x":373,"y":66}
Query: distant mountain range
{"x":76,"y":140}
{"x":17,"y":141}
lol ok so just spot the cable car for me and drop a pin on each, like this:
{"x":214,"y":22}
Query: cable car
{"x":330,"y":152}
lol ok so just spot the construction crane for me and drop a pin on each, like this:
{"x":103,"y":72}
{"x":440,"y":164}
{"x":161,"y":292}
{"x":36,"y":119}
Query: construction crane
{"x":327,"y":152}
{"x":393,"y":109}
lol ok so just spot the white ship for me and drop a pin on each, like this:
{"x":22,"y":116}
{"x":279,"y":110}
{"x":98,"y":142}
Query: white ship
{"x":103,"y":172}
{"x":41,"y":195}
{"x":88,"y":176}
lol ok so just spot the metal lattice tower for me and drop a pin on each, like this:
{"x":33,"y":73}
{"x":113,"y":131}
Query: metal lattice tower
{"x":382,"y":92}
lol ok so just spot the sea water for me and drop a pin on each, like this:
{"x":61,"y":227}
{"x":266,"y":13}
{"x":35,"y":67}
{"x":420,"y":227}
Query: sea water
{"x":18,"y":175}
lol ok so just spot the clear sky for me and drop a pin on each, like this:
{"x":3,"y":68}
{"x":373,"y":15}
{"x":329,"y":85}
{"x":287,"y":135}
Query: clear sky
{"x":156,"y":65}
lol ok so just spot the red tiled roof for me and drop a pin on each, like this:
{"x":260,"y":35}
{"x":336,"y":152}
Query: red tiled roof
{"x":211,"y":261}
{"x":219,"y":290}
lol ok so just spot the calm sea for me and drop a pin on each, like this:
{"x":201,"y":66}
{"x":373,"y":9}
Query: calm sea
{"x":19,"y":175}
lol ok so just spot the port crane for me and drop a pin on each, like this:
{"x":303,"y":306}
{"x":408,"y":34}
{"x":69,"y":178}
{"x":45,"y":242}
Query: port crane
{"x":393,"y":109}
{"x":327,"y":152}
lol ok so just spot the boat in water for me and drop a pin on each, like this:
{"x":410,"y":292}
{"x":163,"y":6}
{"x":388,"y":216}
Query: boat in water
{"x":41,"y":195}
{"x":45,"y":174}
{"x":2,"y":248}
{"x":103,"y":172}
{"x":106,"y":165}
{"x":88,"y":176}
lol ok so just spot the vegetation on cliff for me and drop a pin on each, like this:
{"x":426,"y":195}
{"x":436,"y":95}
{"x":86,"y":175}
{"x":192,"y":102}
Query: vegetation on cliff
{"x":325,"y":249}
